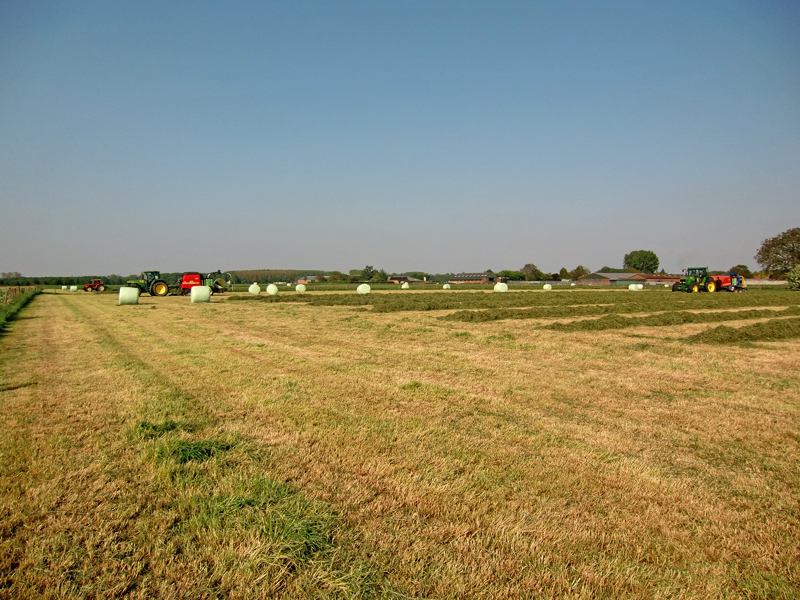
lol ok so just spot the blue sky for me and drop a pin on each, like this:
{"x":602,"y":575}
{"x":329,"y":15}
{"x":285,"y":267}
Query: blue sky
{"x":435,"y":136}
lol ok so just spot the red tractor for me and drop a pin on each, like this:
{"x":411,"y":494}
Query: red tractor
{"x":96,"y":285}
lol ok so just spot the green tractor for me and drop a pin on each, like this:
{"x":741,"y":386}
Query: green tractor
{"x":696,"y":279}
{"x":150,"y":283}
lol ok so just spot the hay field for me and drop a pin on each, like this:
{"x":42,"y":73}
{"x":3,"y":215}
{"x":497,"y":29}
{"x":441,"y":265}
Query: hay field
{"x":398,"y":448}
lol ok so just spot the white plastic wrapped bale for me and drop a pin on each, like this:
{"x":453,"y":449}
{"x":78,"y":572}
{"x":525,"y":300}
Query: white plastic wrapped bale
{"x":666,"y":285}
{"x":500,"y":287}
{"x":128,"y":295}
{"x":446,"y":286}
{"x":405,"y":286}
{"x":288,"y":285}
{"x":639,"y":286}
{"x":254,"y":289}
{"x":200,"y":293}
{"x":272,"y":289}
{"x":73,"y":288}
{"x":63,"y":287}
{"x":300,"y":288}
{"x":633,"y":287}
{"x":572,"y":285}
{"x":363,"y":289}
{"x":547,"y":286}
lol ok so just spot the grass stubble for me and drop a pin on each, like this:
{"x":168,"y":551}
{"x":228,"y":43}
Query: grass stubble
{"x":252,"y":449}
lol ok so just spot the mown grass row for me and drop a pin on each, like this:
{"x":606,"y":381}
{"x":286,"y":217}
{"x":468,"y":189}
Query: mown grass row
{"x":667,"y":319}
{"x":776,"y":329}
{"x":495,"y":303}
{"x":10,"y":311}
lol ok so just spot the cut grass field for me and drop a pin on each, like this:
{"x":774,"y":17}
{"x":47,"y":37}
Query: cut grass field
{"x":261,"y":449}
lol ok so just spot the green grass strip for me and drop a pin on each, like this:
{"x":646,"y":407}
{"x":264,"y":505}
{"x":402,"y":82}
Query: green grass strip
{"x":668,"y":318}
{"x":10,"y":311}
{"x":777,"y":329}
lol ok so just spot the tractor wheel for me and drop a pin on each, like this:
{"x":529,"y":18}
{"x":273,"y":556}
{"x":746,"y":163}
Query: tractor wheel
{"x":676,"y":287}
{"x":711,"y":286}
{"x":159,"y":288}
{"x":695,"y":288}
{"x":101,"y":288}
{"x":87,"y":289}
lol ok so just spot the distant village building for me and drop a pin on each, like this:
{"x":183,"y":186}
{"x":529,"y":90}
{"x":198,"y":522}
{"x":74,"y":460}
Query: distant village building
{"x":474,"y":278}
{"x":402,"y":279}
{"x":310,"y":279}
{"x":627,"y":278}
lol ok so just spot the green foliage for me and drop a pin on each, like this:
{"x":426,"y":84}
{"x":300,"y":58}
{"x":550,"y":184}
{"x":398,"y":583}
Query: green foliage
{"x":183,"y":451}
{"x":578,"y":272}
{"x":794,"y":278}
{"x":9,"y":311}
{"x":367,"y":273}
{"x":379,"y":276}
{"x":642,"y":261}
{"x":563,"y":273}
{"x":741,"y":270}
{"x":513,"y":275}
{"x":781,"y":253}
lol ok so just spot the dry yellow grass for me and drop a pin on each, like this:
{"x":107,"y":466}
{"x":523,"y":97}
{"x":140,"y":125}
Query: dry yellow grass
{"x":274,"y":450}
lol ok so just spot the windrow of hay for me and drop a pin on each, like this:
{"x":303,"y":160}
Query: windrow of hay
{"x":776,"y":329}
{"x":669,"y":318}
{"x":427,"y":301}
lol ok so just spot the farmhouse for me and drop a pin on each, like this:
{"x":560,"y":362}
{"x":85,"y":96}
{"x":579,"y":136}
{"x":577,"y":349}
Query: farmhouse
{"x":474,"y":278}
{"x":310,"y":279}
{"x":402,"y":279}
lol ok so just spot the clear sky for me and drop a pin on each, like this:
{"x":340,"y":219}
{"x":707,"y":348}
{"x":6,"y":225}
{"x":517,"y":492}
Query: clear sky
{"x":434,"y":136}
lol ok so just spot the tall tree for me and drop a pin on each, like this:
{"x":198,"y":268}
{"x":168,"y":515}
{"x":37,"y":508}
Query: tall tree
{"x":367,"y":273}
{"x":579,"y":271}
{"x":741,"y":270}
{"x":781,"y":253}
{"x":642,"y":261}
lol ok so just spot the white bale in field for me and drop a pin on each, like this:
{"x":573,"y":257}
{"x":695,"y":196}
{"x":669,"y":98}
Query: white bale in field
{"x":666,"y":285}
{"x":572,"y":284}
{"x":300,"y":288}
{"x":73,"y":288}
{"x":446,"y":286}
{"x":405,"y":286}
{"x":500,"y":287}
{"x":200,"y":293}
{"x":128,"y":295}
{"x":633,"y":287}
{"x":288,"y":285}
{"x":363,"y":289}
{"x":547,"y":286}
{"x":272,"y":289}
{"x":254,"y":289}
{"x":639,"y":286}
{"x":63,"y":287}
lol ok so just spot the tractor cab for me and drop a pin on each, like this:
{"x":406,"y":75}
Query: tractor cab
{"x":695,"y":279}
{"x":150,"y":283}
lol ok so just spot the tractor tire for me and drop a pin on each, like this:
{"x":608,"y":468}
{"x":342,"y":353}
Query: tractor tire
{"x":159,"y":288}
{"x":101,"y":288}
{"x":695,"y":288}
{"x":711,"y":286}
{"x":676,"y":287}
{"x":87,"y":289}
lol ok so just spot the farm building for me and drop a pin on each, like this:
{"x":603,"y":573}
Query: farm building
{"x":403,"y":279}
{"x":626,"y":278}
{"x":474,"y":278}
{"x":655,"y":278}
{"x":310,"y":279}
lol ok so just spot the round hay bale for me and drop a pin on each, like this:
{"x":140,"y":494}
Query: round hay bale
{"x":446,"y":286}
{"x":640,"y":286}
{"x":666,"y":285}
{"x":272,"y":289}
{"x":405,"y":286}
{"x":363,"y":289}
{"x":63,"y":287}
{"x":128,"y":295}
{"x":300,"y":288}
{"x":500,"y":287}
{"x":633,"y":287}
{"x":572,"y":284}
{"x":547,"y":286}
{"x":73,"y":288}
{"x":254,"y":289}
{"x":288,"y":285}
{"x":200,"y":293}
